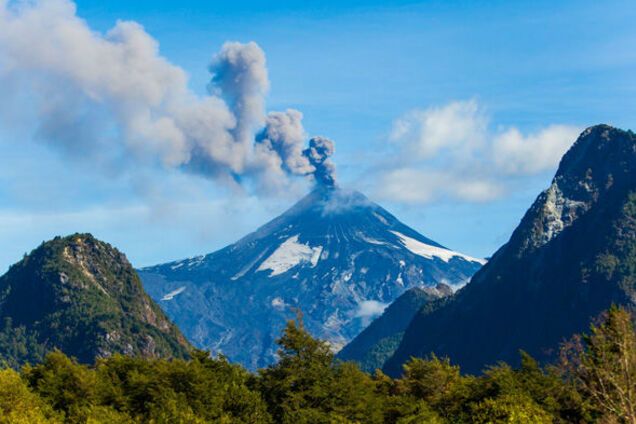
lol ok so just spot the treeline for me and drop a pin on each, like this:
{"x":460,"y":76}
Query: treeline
{"x":595,"y":381}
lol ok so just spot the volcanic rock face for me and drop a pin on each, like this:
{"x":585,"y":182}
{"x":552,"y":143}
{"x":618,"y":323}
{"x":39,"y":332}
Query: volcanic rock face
{"x":82,"y":296}
{"x":335,"y":255}
{"x":570,"y":258}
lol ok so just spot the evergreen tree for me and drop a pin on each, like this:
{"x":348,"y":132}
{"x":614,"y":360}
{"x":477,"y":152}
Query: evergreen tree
{"x":306,"y":386}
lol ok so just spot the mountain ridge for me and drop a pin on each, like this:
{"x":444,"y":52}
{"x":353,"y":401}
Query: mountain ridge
{"x":571,"y":257}
{"x":378,"y":341}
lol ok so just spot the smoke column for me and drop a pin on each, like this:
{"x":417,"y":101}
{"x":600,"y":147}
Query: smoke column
{"x":112,"y":98}
{"x":319,"y":151}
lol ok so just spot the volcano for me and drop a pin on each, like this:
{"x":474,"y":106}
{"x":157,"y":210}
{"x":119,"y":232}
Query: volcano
{"x":335,"y":255}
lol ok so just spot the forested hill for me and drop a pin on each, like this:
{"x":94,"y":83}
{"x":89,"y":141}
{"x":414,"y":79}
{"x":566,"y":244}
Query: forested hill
{"x":81,"y":296}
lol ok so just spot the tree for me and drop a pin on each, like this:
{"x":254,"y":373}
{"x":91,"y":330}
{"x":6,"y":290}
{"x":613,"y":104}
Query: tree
{"x":430,"y":380}
{"x":438,"y":383}
{"x":544,"y":388}
{"x":203,"y":389}
{"x":603,"y":366}
{"x":297,"y":388}
{"x":510,"y":409}
{"x":65,"y":385}
{"x":18,"y":405}
{"x":307,"y":386}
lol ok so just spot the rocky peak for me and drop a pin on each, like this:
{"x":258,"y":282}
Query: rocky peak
{"x":572,"y":257}
{"x":601,"y":161}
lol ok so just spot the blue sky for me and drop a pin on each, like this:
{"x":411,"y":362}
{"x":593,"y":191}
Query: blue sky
{"x":354,"y":69}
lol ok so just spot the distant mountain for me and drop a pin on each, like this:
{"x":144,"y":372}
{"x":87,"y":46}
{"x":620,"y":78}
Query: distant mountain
{"x":81,"y":296}
{"x":376,"y":343}
{"x":335,"y":255}
{"x":570,"y":258}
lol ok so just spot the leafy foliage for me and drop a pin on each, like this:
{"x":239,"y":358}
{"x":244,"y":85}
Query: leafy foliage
{"x":19,"y":405}
{"x":602,"y":365}
{"x":308,"y":386}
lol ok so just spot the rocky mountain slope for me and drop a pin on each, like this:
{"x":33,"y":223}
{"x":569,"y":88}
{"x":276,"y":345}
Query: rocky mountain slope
{"x":82,"y":296}
{"x":571,"y":257}
{"x":334,"y":255}
{"x":376,"y":343}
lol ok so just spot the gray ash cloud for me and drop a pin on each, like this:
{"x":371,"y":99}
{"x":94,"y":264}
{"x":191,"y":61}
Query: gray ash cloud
{"x":112,"y":98}
{"x":318,"y":154}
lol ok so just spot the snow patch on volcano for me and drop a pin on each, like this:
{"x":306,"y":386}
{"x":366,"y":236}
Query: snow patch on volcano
{"x":288,"y":255}
{"x":430,"y":252}
{"x":172,"y":294}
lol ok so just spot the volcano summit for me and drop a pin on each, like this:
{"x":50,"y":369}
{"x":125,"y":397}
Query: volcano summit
{"x":335,"y":255}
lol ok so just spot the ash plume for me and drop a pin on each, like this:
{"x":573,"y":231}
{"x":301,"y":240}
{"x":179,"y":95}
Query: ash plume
{"x":285,"y":136}
{"x":318,"y":153}
{"x":239,"y":75}
{"x":112,"y":98}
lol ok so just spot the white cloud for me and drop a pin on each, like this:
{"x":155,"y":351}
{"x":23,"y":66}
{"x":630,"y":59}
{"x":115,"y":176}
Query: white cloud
{"x":514,"y":153}
{"x":193,"y":226}
{"x":370,"y":308}
{"x":419,"y":186}
{"x":450,"y":152}
{"x":458,"y":126}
